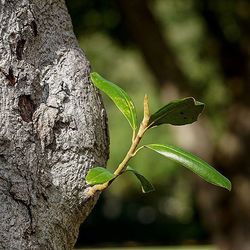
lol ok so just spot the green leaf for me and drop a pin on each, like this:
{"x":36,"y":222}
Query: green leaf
{"x":145,"y":184}
{"x":178,"y":112}
{"x":99,"y":175}
{"x":121,"y":99}
{"x":193,"y":163}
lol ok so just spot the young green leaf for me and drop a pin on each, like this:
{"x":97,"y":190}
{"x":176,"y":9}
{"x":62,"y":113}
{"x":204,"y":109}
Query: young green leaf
{"x":145,"y":184}
{"x":193,"y":163}
{"x":178,"y":112}
{"x":121,"y":99}
{"x":99,"y":175}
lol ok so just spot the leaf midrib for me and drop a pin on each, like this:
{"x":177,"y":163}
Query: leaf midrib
{"x":169,"y":112}
{"x":197,"y":160}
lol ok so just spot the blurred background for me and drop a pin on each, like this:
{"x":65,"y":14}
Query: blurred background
{"x":173,"y":49}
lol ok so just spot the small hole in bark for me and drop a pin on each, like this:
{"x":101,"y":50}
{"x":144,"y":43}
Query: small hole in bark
{"x":19,"y":48}
{"x":26,"y":107}
{"x":12,"y":35}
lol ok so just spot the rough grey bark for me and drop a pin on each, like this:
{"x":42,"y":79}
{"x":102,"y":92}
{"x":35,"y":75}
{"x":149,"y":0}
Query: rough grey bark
{"x":52,"y":127}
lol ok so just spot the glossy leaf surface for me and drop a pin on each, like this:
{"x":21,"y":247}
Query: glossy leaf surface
{"x":145,"y":184}
{"x":178,"y":112}
{"x":121,"y":99}
{"x":99,"y":175}
{"x":193,"y":163}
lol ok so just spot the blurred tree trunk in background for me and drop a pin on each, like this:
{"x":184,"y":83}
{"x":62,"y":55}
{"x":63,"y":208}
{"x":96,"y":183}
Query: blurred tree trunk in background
{"x":52,"y":127}
{"x":147,"y":35}
{"x":227,"y":215}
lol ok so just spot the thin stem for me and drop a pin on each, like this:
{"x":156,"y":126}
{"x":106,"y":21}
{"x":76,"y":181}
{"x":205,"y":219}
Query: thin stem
{"x":131,"y":152}
{"x":138,"y":149}
{"x":134,"y":135}
{"x":136,"y":141}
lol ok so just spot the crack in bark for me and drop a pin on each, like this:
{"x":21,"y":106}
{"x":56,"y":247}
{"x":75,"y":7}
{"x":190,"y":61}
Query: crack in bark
{"x":31,"y":229}
{"x":9,"y":76}
{"x":34,"y":27}
{"x":20,"y":48}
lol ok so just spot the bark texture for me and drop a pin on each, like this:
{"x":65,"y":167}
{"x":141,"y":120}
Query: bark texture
{"x":52,"y":127}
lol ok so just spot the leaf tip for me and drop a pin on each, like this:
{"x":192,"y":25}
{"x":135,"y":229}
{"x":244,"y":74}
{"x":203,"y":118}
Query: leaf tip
{"x":229,"y":185}
{"x":148,"y":190}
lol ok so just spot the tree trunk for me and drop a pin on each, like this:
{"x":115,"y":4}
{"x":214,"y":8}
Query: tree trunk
{"x":52,"y":127}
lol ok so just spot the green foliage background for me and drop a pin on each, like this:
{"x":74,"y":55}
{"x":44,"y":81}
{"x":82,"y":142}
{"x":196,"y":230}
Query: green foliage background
{"x":125,"y":67}
{"x":169,"y":216}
